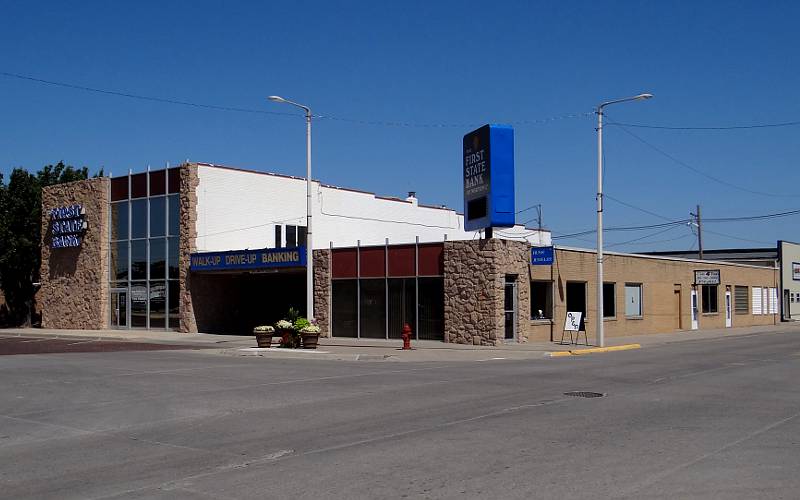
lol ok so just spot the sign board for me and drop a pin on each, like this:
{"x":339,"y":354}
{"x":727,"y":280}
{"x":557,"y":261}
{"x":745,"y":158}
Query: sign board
{"x":796,"y":271}
{"x":710,"y":277}
{"x":67,"y":226}
{"x":489,"y":177}
{"x":248,"y":259}
{"x":542,"y":256}
{"x":573,"y":322}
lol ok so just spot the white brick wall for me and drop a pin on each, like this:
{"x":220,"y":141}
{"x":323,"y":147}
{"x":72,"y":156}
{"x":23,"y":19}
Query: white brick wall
{"x":239,"y":209}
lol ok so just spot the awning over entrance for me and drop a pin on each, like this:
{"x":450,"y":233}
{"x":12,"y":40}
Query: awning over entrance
{"x":241,"y":260}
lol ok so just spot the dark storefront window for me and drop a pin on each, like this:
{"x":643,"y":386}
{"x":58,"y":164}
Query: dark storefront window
{"x":541,"y":300}
{"x":173,"y":292}
{"x":431,"y":308}
{"x":291,"y":236}
{"x":710,"y":299}
{"x":119,"y":221}
{"x":158,"y":256}
{"x":278,"y":237}
{"x":139,"y":260}
{"x":373,"y":308}
{"x":609,"y":300}
{"x":158,"y":304}
{"x":174,"y":215}
{"x":139,"y":304}
{"x":119,"y":261}
{"x":402,"y":305}
{"x":139,"y":218}
{"x":345,"y":308}
{"x":301,"y":236}
{"x":158,"y":216}
{"x":172,"y":250}
{"x":362,"y":283}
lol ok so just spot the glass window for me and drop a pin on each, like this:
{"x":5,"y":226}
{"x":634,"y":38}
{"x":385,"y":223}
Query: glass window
{"x":158,"y":304}
{"x":344,"y":306}
{"x":710,"y":298}
{"x":119,"y":221}
{"x":158,"y":221}
{"x":373,"y":308}
{"x":402,"y":305}
{"x":609,"y":300}
{"x":119,"y":260}
{"x":139,"y":305}
{"x":139,"y":260}
{"x":541,"y":300}
{"x":174,"y":215}
{"x":158,"y":256}
{"x":291,"y":236}
{"x":633,"y":300}
{"x":173,"y":258}
{"x":301,"y":236}
{"x":139,"y":218}
{"x":431,"y":308}
{"x":278,"y":238}
{"x":173,"y":291}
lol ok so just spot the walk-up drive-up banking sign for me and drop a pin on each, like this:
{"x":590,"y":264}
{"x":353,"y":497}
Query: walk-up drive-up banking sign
{"x":489,"y":177}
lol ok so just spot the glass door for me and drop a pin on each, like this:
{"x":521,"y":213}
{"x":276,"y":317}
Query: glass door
{"x":119,"y":309}
{"x":510,"y":308}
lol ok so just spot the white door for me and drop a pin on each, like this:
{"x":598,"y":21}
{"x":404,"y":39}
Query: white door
{"x":694,"y":309}
{"x":728,"y":317}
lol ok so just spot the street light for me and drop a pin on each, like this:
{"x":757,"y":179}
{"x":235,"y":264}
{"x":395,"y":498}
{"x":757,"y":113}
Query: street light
{"x":640,"y":97}
{"x":309,"y":245}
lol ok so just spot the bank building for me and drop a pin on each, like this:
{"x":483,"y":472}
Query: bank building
{"x":214,"y":249}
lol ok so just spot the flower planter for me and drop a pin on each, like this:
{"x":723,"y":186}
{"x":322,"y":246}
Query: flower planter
{"x":310,"y":340}
{"x":264,"y":339}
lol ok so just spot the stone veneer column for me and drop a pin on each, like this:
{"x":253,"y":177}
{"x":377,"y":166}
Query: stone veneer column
{"x":322,"y":290}
{"x":74,"y":292}
{"x":188,"y":243}
{"x":474,"y":277}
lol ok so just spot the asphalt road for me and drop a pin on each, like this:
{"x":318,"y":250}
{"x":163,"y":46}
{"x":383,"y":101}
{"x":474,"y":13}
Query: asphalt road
{"x":702,"y":419}
{"x":11,"y":345}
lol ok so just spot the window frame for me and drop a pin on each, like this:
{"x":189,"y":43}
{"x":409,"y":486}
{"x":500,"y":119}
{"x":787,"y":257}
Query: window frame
{"x":549,"y":306}
{"x":613,"y":296}
{"x":705,"y":305}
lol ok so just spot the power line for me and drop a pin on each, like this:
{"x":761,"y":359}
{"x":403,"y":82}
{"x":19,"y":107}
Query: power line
{"x":629,"y":205}
{"x":644,"y":237}
{"x":700,"y":172}
{"x":738,"y":237}
{"x":730,"y":127}
{"x":753,"y":217}
{"x":625,"y":228}
{"x":143,"y":97}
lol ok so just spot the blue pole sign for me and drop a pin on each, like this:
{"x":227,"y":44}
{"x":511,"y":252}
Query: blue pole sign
{"x":489,"y":177}
{"x":248,"y":259}
{"x":542,"y":256}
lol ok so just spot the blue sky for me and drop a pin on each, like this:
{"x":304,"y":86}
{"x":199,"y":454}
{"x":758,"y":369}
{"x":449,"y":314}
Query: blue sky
{"x":441,"y":67}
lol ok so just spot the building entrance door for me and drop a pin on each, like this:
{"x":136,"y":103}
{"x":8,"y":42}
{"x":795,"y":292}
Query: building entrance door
{"x":119,"y":308}
{"x":677,"y":309}
{"x":693,"y":305}
{"x":510,"y":307}
{"x":728,"y":317}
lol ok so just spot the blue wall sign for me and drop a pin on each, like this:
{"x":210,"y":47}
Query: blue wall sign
{"x":542,"y":256}
{"x":248,"y":259}
{"x":489,"y":177}
{"x":67,"y":225}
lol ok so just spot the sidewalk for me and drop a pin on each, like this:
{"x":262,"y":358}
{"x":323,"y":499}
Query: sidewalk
{"x":389,"y":350}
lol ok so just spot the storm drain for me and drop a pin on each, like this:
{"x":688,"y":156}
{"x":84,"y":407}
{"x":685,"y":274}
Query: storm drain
{"x":584,"y":394}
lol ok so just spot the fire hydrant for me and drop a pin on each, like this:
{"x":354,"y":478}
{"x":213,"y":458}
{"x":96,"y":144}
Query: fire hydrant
{"x":406,"y":336}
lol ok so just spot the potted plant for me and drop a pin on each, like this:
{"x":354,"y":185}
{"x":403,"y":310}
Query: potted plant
{"x":264,"y":335}
{"x":310,"y":335}
{"x":288,"y":337}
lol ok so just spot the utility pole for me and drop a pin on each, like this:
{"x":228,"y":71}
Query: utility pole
{"x":539,"y":215}
{"x":699,"y":224}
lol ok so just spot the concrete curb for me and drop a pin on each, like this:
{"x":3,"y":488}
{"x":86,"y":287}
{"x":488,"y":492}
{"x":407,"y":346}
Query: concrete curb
{"x":592,"y":350}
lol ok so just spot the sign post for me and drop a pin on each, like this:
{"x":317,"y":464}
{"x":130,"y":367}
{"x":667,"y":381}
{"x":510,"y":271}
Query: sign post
{"x":574,"y":323}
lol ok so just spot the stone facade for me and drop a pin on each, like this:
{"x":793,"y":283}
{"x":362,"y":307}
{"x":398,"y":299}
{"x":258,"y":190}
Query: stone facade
{"x":322,"y":290}
{"x":475,"y":273}
{"x":188,"y":244}
{"x":74,"y":292}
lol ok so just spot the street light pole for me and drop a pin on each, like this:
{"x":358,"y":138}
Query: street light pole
{"x":599,"y":319}
{"x":309,"y":240}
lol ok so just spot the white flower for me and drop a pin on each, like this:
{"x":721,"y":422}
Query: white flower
{"x":310,"y":329}
{"x":283,"y":325}
{"x":264,"y":328}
